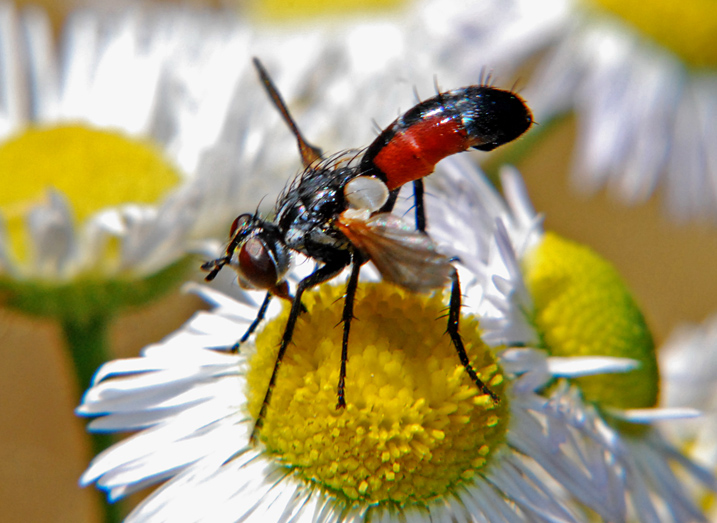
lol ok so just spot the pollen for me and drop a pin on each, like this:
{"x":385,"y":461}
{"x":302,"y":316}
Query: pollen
{"x":93,"y":169}
{"x":687,"y":27}
{"x":583,"y":308}
{"x":413,"y":428}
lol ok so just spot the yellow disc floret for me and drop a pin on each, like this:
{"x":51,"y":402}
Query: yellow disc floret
{"x":582,"y":308}
{"x":415,"y":426}
{"x":687,"y":27}
{"x":93,"y":168}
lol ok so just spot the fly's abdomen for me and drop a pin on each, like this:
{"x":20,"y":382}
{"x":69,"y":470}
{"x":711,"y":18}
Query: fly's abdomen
{"x":480,"y":117}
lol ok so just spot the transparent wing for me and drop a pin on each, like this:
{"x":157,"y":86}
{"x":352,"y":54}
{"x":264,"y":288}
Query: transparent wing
{"x":402,"y":255}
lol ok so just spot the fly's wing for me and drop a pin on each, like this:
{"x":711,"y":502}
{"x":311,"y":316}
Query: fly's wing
{"x":402,"y":255}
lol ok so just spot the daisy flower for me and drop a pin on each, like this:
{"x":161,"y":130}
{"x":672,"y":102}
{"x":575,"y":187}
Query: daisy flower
{"x":113,"y":170}
{"x":417,"y":441}
{"x":543,"y":291}
{"x":641,"y":78}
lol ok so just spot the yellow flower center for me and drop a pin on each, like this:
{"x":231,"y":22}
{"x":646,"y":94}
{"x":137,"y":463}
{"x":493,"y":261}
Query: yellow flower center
{"x":415,"y":426}
{"x":93,"y":168}
{"x":687,"y":27}
{"x":582,"y":308}
{"x":281,"y":9}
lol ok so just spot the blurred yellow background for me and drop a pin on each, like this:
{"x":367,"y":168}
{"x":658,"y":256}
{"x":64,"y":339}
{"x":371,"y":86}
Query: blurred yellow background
{"x":670,"y":268}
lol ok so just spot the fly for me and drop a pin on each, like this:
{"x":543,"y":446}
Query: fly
{"x":337,"y":211}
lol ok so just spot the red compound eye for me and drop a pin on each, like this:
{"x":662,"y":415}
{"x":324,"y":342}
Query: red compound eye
{"x":240,"y":222}
{"x":257,"y":265}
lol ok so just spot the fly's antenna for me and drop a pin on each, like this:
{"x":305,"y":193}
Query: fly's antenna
{"x":309,"y":153}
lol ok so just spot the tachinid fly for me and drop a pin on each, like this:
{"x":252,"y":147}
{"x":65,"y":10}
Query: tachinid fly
{"x":337,"y":211}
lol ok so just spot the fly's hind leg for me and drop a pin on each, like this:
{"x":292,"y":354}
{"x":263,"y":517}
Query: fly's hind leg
{"x":454,"y":314}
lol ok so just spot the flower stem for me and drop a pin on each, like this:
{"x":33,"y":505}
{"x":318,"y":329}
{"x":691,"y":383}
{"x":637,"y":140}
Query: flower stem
{"x":88,"y":344}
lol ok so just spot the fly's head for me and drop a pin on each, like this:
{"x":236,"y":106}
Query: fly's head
{"x":258,"y":254}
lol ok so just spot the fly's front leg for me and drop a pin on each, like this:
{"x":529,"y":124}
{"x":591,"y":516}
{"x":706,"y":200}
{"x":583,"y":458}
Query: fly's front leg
{"x":255,"y":323}
{"x":346,"y":317}
{"x":319,"y":276}
{"x":454,"y":314}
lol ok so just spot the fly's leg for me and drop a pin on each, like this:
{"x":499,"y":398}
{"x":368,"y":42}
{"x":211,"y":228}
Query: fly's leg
{"x":346,"y":317}
{"x":255,"y":323}
{"x":321,"y":275}
{"x":418,"y":203}
{"x":454,"y":313}
{"x":214,"y":266}
{"x":260,"y":316}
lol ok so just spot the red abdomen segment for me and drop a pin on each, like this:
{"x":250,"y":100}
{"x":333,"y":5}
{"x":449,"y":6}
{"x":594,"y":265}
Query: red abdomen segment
{"x":477,"y":116}
{"x":413,"y":152}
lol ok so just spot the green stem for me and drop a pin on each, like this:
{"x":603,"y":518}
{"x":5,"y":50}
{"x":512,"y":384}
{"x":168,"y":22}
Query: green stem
{"x":88,"y":344}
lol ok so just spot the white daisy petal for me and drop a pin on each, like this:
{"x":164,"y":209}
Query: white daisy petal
{"x":652,"y":415}
{"x":52,"y":231}
{"x":585,"y":366}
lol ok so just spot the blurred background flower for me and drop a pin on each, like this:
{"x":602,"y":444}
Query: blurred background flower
{"x":194,"y":96}
{"x":640,"y":79}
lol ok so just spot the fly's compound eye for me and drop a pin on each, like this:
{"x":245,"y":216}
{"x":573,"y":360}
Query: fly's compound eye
{"x":256,"y":266}
{"x":240,"y":222}
{"x":366,"y":193}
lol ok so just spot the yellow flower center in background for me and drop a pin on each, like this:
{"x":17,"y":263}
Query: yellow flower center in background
{"x":582,"y":308}
{"x":415,"y":426}
{"x":281,"y":9}
{"x":94,"y":169}
{"x":687,"y":27}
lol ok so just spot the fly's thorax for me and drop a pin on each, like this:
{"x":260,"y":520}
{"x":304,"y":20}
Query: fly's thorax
{"x":308,"y":208}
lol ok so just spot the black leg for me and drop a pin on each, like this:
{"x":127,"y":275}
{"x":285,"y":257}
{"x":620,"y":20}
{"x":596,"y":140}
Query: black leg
{"x":454,"y":314}
{"x":391,"y":202}
{"x":213,"y":267}
{"x":321,"y":275}
{"x":418,"y":202}
{"x":346,"y":318}
{"x":255,"y":323}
